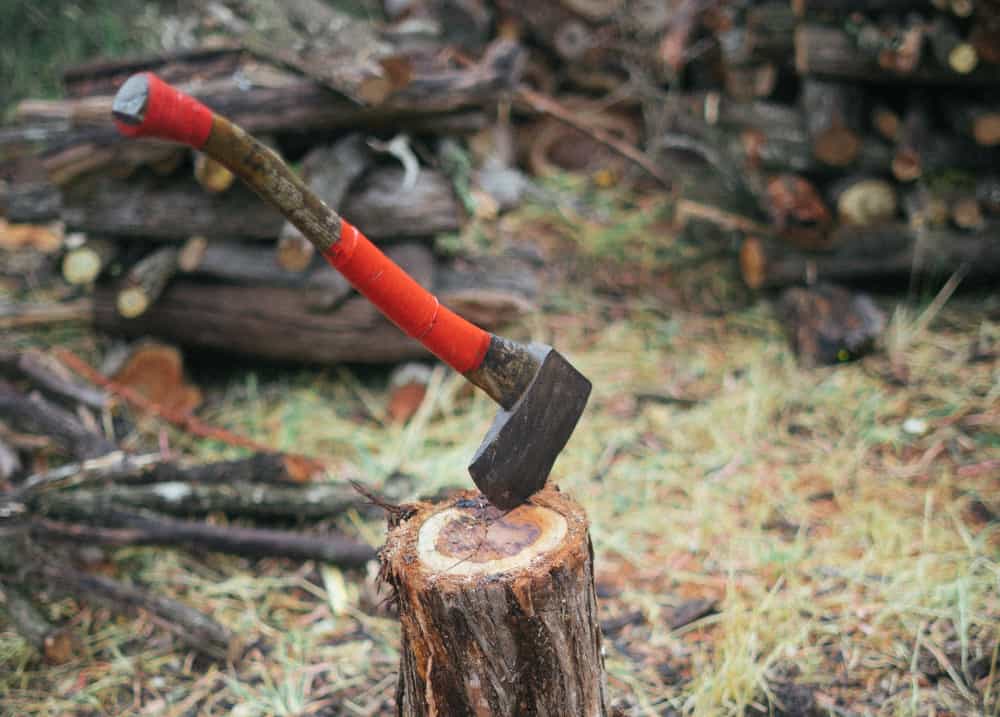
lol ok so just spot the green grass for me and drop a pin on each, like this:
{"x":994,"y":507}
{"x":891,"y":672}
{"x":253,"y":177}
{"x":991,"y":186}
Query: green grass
{"x":850,"y":558}
{"x":38,"y":40}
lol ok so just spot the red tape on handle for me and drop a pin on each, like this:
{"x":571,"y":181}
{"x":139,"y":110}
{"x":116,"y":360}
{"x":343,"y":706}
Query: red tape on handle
{"x":457,"y":342}
{"x":170,"y":114}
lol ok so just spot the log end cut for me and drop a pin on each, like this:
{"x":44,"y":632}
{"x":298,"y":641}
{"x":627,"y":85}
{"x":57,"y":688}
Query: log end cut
{"x":498,"y":610}
{"x":753,"y":263}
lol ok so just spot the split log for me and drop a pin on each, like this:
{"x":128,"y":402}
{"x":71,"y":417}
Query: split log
{"x":833,"y":120}
{"x":145,"y":281}
{"x":830,"y":52}
{"x":83,"y":264}
{"x":34,"y":414}
{"x":53,"y":643}
{"x":52,"y":378}
{"x":498,"y":611}
{"x":122,"y":528}
{"x":871,"y":253}
{"x":151,"y":208}
{"x":864,"y":200}
{"x":828,"y":324}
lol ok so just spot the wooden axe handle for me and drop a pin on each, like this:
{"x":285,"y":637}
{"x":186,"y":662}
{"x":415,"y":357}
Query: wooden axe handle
{"x":160,"y":110}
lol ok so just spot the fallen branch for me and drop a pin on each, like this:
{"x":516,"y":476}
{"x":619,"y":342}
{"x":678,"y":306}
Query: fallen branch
{"x":26,"y":315}
{"x":184,"y":421}
{"x":34,"y":414}
{"x":135,"y":528}
{"x":52,"y":378}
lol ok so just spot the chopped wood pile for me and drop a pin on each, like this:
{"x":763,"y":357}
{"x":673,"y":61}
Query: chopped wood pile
{"x":829,"y":139}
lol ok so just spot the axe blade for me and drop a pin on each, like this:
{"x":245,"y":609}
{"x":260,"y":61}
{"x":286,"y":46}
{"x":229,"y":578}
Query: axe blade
{"x":515,"y":457}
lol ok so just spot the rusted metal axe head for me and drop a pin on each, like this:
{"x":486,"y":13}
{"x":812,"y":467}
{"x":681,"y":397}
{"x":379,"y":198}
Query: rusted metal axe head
{"x":541,"y":395}
{"x":543,"y":407}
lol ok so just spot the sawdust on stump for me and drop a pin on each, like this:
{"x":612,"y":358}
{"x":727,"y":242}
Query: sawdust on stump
{"x":498,"y":610}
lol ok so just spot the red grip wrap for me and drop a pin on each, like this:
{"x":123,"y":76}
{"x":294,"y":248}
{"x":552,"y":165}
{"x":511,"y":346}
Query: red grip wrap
{"x":412,"y":308}
{"x":171,"y":114}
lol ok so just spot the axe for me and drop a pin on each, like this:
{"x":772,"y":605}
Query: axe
{"x":541,"y":395}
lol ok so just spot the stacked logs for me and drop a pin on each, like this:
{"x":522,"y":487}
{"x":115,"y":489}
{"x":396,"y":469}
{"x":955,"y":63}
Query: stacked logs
{"x":849,"y":140}
{"x":171,"y":246}
{"x":873,"y":153}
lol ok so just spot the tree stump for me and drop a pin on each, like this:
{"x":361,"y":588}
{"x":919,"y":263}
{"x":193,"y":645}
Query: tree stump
{"x":498,"y":610}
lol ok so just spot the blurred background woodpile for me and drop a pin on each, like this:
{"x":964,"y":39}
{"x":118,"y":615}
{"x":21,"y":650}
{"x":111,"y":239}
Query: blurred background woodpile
{"x":816,"y":140}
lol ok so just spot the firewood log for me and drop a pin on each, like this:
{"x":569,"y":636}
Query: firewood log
{"x":521,"y":584}
{"x":151,"y":208}
{"x":864,"y":200}
{"x":280,"y":323}
{"x":869,"y":253}
{"x":981,"y":123}
{"x":145,"y":281}
{"x":949,"y":47}
{"x":83,"y":264}
{"x":833,"y":119}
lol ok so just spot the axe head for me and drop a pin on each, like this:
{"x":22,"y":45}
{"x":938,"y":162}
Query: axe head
{"x":517,"y":453}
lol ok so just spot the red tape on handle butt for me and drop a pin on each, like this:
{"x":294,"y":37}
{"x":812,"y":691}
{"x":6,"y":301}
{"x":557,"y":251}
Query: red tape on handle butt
{"x":460,"y":344}
{"x":171,"y":114}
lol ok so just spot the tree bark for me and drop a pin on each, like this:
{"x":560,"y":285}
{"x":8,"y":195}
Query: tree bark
{"x":153,"y":208}
{"x":871,"y":253}
{"x":282,"y":323}
{"x":34,"y":414}
{"x":498,"y":611}
{"x":329,"y":171}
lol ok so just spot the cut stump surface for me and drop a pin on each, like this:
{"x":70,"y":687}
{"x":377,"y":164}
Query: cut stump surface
{"x":498,"y":610}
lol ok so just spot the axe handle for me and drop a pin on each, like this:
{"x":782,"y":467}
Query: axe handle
{"x":171,"y":114}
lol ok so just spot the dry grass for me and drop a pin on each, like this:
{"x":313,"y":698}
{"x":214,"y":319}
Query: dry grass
{"x":842,"y":521}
